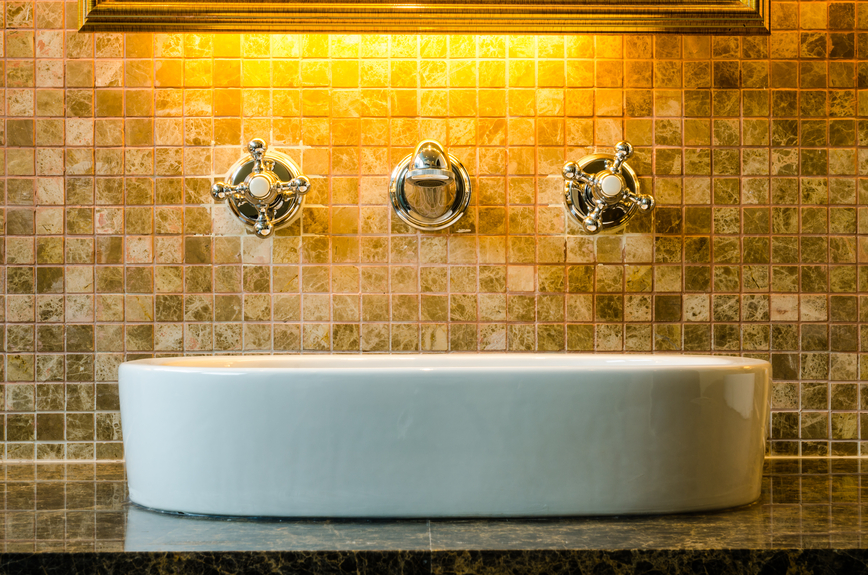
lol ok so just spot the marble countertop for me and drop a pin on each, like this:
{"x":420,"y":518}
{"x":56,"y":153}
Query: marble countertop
{"x":76,"y":517}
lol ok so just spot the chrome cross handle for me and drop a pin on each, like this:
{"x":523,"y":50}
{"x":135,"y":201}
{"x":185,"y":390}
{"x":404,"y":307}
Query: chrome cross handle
{"x":256,"y":184}
{"x":601,"y":191}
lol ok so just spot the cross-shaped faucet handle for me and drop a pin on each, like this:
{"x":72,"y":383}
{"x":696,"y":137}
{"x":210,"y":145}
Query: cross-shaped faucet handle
{"x":262,"y":188}
{"x":605,"y":188}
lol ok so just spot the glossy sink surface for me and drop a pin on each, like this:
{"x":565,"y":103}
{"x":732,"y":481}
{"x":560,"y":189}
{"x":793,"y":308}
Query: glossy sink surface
{"x":458,"y":435}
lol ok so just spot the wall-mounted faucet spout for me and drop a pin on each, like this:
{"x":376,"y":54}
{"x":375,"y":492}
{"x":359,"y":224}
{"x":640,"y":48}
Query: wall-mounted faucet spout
{"x":430,"y":189}
{"x":431,"y":166}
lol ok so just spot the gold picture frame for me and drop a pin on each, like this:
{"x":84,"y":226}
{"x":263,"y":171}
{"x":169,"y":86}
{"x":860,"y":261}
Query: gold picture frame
{"x":429,"y":16}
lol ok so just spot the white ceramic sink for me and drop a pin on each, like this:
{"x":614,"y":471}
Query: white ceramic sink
{"x":475,"y":435}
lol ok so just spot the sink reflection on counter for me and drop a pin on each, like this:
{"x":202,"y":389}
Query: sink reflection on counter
{"x":805,"y":504}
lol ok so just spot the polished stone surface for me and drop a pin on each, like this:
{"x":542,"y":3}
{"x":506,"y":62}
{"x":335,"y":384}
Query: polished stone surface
{"x":74,"y":518}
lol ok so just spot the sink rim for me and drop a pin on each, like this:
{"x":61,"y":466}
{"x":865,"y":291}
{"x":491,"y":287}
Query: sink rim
{"x":447,"y":361}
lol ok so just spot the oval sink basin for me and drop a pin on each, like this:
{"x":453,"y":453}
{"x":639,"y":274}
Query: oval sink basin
{"x":458,"y":435}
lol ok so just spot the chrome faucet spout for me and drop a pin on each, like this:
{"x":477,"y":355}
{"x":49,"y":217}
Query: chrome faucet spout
{"x":430,"y":189}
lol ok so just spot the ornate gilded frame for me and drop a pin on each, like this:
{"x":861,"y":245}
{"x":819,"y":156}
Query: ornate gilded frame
{"x":429,"y":16}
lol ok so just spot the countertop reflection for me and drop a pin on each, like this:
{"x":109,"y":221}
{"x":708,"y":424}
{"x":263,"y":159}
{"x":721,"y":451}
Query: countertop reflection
{"x":75,"y":507}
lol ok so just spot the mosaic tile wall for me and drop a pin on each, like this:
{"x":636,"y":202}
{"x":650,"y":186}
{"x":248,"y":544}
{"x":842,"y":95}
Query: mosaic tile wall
{"x":113,"y":249}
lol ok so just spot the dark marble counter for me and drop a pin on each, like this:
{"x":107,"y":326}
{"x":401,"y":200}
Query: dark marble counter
{"x":76,"y":518}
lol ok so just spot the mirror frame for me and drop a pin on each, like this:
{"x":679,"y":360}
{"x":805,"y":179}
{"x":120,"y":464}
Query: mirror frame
{"x":428,"y":16}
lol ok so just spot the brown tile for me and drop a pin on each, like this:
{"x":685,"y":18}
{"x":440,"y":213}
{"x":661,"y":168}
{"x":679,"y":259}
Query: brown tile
{"x":751,"y":141}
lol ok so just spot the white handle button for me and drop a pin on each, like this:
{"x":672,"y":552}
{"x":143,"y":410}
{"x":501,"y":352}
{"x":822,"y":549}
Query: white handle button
{"x":259,"y":186}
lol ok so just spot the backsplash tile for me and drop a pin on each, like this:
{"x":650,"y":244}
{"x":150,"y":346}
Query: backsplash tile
{"x":753,"y":147}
